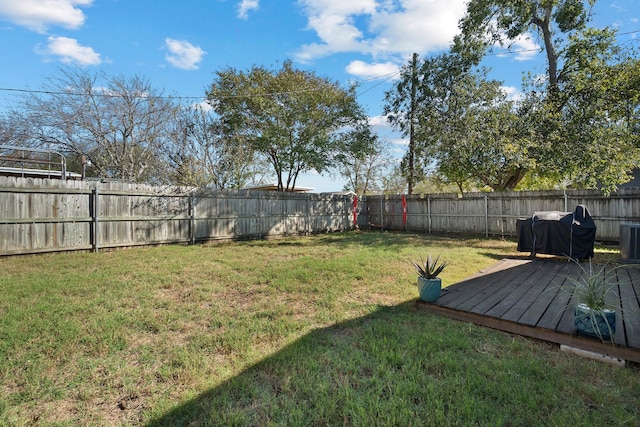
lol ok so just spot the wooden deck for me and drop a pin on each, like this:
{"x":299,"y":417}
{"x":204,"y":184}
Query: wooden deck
{"x":530,"y":298}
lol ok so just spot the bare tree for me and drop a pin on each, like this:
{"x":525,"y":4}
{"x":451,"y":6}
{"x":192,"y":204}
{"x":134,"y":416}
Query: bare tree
{"x":363,"y":160}
{"x":204,"y":155}
{"x":13,"y":130}
{"x":119,"y":124}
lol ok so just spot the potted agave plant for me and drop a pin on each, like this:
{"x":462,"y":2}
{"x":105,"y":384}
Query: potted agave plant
{"x":594,"y":313}
{"x":429,"y":284}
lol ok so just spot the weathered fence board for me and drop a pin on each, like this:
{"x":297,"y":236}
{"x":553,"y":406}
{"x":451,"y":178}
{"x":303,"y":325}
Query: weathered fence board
{"x":47,"y":215}
{"x":495,"y":214}
{"x":39,"y":215}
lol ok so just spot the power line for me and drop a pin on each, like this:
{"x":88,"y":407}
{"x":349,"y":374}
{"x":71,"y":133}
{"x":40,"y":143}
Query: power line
{"x":102,"y":95}
{"x":108,"y":95}
{"x":389,"y":77}
{"x":510,"y":52}
{"x":171,"y":97}
{"x":383,"y":76}
{"x":628,"y":32}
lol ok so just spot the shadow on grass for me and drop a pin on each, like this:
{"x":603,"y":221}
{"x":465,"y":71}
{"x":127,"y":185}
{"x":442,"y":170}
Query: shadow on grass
{"x":382,"y":368}
{"x":342,"y":239}
{"x":387,"y":239}
{"x":331,"y":375}
{"x":500,"y":257}
{"x":402,"y":366}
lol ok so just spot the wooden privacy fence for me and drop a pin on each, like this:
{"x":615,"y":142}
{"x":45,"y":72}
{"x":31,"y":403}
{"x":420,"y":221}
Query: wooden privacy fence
{"x":39,"y":215}
{"x":495,"y":214}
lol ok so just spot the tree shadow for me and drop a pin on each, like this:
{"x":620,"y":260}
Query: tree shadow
{"x":499,"y":257}
{"x":370,"y":238}
{"x":292,"y":386}
{"x":398,"y":365}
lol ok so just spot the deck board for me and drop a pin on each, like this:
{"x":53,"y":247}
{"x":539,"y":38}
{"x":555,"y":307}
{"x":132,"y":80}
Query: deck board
{"x":514,"y":295}
{"x":535,"y":300}
{"x":629,"y":288}
{"x":555,"y":309}
{"x":532,"y":297}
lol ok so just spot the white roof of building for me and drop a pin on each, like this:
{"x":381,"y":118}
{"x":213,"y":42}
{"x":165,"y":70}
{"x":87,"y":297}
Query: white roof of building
{"x":274,"y":187}
{"x":36,"y":173}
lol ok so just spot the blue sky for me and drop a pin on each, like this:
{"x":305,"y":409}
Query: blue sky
{"x":178,"y":45}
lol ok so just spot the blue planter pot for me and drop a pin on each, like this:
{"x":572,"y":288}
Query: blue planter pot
{"x":429,"y":289}
{"x":598,"y":324}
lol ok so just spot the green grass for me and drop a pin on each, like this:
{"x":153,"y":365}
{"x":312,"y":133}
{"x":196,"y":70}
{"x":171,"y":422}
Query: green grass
{"x":304,"y":331}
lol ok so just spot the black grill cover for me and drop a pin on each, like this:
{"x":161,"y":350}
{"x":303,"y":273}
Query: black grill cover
{"x":558,"y":233}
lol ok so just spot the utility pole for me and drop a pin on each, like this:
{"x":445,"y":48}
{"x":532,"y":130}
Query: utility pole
{"x":412,"y":112}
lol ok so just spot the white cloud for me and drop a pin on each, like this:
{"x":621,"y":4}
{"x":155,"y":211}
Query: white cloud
{"x":616,"y":6}
{"x":202,"y":106}
{"x":417,"y":26}
{"x":38,"y":15}
{"x":372,"y":71}
{"x":183,"y":54}
{"x":378,"y":121}
{"x":512,"y":92}
{"x":246,"y":6}
{"x":69,"y":51}
{"x":334,"y":21}
{"x":525,"y":47}
{"x":399,"y":145}
{"x":381,"y":28}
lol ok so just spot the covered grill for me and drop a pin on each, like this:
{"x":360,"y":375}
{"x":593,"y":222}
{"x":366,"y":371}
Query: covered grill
{"x":570,"y":234}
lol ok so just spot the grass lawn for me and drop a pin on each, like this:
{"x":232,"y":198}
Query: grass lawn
{"x":317,"y":330}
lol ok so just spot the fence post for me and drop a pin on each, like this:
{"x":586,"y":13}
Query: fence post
{"x":345,"y":213}
{"x":95,"y":213}
{"x":486,"y":215}
{"x":192,"y":219}
{"x":429,"y":212}
{"x":503,"y":218}
{"x":308,"y":204}
{"x":566,"y":201}
{"x":382,"y":212}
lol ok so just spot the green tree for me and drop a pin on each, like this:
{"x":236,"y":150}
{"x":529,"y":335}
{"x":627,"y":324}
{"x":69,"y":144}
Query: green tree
{"x":580,"y":118}
{"x":488,"y":23}
{"x":598,"y":107}
{"x":467,"y":133}
{"x":394,"y":182}
{"x":291,"y":117}
{"x":481,"y":140}
{"x":401,"y":108}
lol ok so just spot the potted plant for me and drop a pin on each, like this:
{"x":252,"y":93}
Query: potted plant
{"x":429,"y":284}
{"x":594,"y":312}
